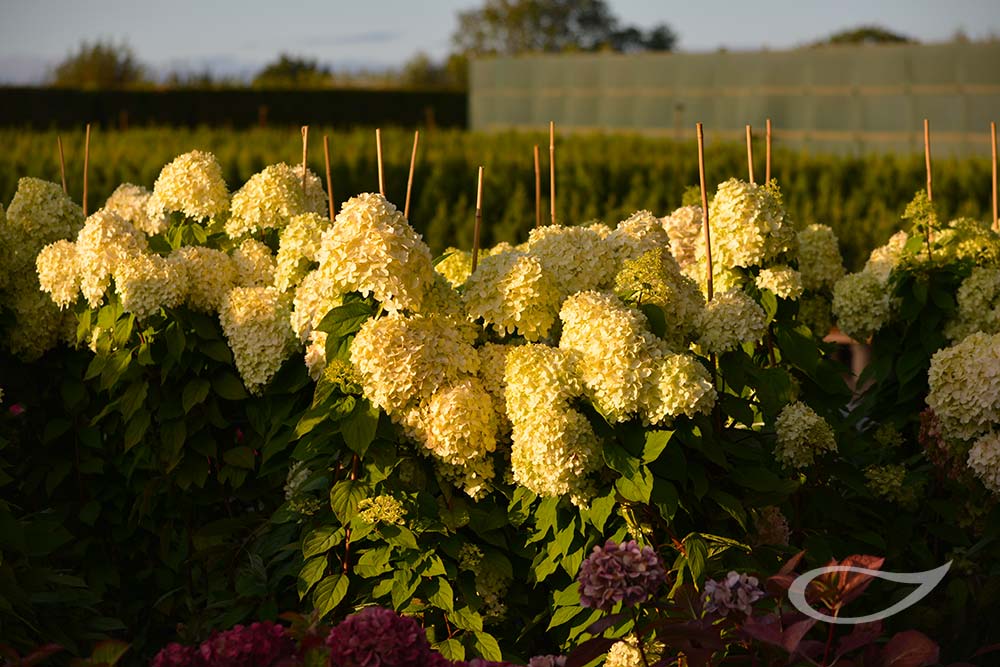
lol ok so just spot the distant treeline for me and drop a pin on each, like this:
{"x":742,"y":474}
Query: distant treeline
{"x":47,"y":108}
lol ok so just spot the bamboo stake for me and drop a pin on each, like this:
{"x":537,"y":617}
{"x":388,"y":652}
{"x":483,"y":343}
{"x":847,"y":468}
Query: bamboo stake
{"x":409,"y":181}
{"x":378,"y":151}
{"x":704,"y":208}
{"x":552,"y":170}
{"x":86,"y":168}
{"x":767,"y":153}
{"x":305,"y":154}
{"x":329,"y":180}
{"x":479,"y":221}
{"x":927,"y":157}
{"x":62,"y":165}
{"x":538,"y":191}
{"x":993,"y":143}
{"x":750,"y":153}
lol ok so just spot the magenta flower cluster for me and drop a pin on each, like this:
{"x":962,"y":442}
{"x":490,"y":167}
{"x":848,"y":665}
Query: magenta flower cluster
{"x":256,"y":645}
{"x":622,"y":573}
{"x":736,"y":593}
{"x":378,"y":637}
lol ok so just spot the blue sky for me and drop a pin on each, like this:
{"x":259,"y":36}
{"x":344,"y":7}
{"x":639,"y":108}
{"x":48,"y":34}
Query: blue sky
{"x":236,"y":37}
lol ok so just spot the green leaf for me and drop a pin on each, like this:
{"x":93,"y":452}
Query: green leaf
{"x":172,"y":435}
{"x":329,"y":593}
{"x":466,"y":619}
{"x":451,"y":649}
{"x":346,"y":319}
{"x":731,"y":505}
{"x":195,"y":391}
{"x":769,"y":302}
{"x":442,"y":595}
{"x":311,"y":572}
{"x":656,"y":442}
{"x":564,"y":615}
{"x":665,"y":498}
{"x":108,"y":652}
{"x":359,"y":429}
{"x":656,"y":318}
{"x":620,"y":460}
{"x":486,"y":646}
{"x":399,"y":536}
{"x":241,"y":457}
{"x":344,"y":498}
{"x":228,"y":386}
{"x":697,"y":555}
{"x":320,"y":540}
{"x":217,"y":351}
{"x":600,"y":510}
{"x":637,"y":487}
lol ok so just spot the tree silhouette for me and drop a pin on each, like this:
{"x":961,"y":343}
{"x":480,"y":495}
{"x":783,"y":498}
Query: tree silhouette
{"x":99,"y":65}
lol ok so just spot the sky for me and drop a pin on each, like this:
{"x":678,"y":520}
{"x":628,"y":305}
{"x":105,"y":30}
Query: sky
{"x":236,"y":37}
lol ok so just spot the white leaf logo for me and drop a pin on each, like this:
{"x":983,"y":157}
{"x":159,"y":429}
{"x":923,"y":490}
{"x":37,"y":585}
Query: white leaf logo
{"x":928,"y":580}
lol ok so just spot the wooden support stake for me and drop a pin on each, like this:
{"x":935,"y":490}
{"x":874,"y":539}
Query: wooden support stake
{"x":479,"y":221}
{"x":552,"y":170}
{"x":305,"y":154}
{"x":704,"y":209}
{"x":329,"y":180}
{"x":927,"y":157}
{"x":409,"y":180}
{"x":378,"y":151}
{"x":538,"y":191}
{"x":86,"y":168}
{"x":767,"y":153}
{"x":993,"y":144}
{"x":750,"y":153}
{"x":62,"y":166}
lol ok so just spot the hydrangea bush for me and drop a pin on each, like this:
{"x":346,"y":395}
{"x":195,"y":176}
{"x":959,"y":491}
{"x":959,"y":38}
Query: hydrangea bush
{"x":291,"y":411}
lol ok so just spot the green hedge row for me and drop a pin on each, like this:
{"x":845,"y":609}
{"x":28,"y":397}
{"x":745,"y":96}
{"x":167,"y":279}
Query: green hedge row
{"x":60,"y":107}
{"x":605,"y":177}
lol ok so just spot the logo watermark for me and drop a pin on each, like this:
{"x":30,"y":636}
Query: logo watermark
{"x":927,"y":581}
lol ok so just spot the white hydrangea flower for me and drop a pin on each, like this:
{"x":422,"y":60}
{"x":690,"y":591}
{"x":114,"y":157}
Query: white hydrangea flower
{"x":255,"y":321}
{"x":964,"y":382}
{"x":861,"y":304}
{"x":683,"y":226}
{"x":884,"y":259}
{"x":784,"y":281}
{"x":209,"y":275}
{"x":270,"y":199}
{"x":131,"y":203}
{"x":819,"y":257}
{"x":978,"y":304}
{"x":105,"y":241}
{"x":637,"y":235}
{"x":729,"y":320}
{"x":254,"y":264}
{"x":297,"y":248}
{"x":748,"y":225}
{"x":191,"y":184}
{"x":984,"y":460}
{"x":58,"y":273}
{"x":577,"y":258}
{"x":679,"y":385}
{"x":316,"y":295}
{"x":802,"y":435}
{"x":146,"y":282}
{"x":512,"y":293}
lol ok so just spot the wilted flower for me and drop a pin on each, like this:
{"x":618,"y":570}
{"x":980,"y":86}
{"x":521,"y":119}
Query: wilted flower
{"x":737,"y":592}
{"x":622,"y":573}
{"x":378,"y":637}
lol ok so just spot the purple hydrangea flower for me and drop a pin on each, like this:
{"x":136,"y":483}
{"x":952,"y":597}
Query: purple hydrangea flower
{"x":378,"y":637}
{"x":737,"y":592}
{"x":255,"y":645}
{"x":619,"y":573}
{"x":177,"y":655}
{"x":548,"y":661}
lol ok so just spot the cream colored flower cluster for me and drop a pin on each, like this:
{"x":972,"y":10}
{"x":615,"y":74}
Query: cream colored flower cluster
{"x":131,"y":203}
{"x":554,"y":446}
{"x":271,"y":198}
{"x":884,"y":259}
{"x":684,"y":227}
{"x":255,"y":321}
{"x":456,"y":266}
{"x":626,"y":653}
{"x":577,"y":258}
{"x":784,"y":281}
{"x":679,"y":385}
{"x":655,"y":277}
{"x":730,"y":320}
{"x":254,"y":263}
{"x":978,"y":304}
{"x":964,"y":384}
{"x":297,"y":247}
{"x":861,"y":303}
{"x":637,"y":235}
{"x":371,"y":249}
{"x":209,"y":275}
{"x":984,"y":460}
{"x":381,"y":509}
{"x":802,"y":435}
{"x":512,"y":292}
{"x":191,"y":184}
{"x":146,"y":282}
{"x":748,"y":225}
{"x":819,"y":257}
{"x":39,"y":214}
